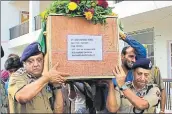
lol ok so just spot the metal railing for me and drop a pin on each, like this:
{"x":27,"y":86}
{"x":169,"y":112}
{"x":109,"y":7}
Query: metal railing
{"x":168,"y":88}
{"x":37,"y":22}
{"x":23,"y":28}
{"x":19,"y":30}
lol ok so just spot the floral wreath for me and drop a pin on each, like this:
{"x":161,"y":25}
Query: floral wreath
{"x":95,"y":11}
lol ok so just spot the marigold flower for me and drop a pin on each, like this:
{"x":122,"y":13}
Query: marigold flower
{"x":72,"y":6}
{"x":43,"y":14}
{"x":114,"y":14}
{"x":88,"y":15}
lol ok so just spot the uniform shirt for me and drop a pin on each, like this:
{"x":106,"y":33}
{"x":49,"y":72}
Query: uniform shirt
{"x":156,"y":77}
{"x":39,"y":104}
{"x":153,"y":97}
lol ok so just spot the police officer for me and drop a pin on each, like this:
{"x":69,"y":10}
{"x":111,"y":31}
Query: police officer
{"x":133,"y":97}
{"x":128,"y":58}
{"x":29,"y":91}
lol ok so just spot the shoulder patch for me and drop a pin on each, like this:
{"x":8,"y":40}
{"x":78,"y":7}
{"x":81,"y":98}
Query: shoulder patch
{"x":20,"y":71}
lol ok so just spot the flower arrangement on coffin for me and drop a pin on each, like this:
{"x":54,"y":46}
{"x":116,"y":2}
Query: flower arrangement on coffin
{"x":93,"y":10}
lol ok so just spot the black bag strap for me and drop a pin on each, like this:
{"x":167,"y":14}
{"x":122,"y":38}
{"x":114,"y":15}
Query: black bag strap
{"x":149,"y":87}
{"x":52,"y":99}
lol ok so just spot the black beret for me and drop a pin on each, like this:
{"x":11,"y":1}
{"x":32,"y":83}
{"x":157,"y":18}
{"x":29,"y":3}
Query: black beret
{"x":142,"y":63}
{"x":31,"y":50}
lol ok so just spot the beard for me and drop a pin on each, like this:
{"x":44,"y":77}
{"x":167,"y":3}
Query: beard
{"x":128,"y":65}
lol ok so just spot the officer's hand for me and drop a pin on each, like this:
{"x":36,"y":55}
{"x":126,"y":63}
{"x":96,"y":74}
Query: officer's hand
{"x":119,"y":75}
{"x":56,"y":77}
{"x":122,"y":35}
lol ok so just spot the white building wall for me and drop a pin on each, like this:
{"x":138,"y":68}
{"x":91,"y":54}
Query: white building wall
{"x":129,"y":8}
{"x":44,"y":5}
{"x":9,"y":18}
{"x":163,"y":33}
{"x":34,"y":7}
{"x":20,"y":5}
{"x":161,"y":46}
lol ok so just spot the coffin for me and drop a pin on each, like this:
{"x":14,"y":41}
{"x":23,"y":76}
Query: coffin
{"x":82,"y":49}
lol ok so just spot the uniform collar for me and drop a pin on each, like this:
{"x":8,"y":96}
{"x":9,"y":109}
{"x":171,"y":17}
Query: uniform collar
{"x":23,"y":70}
{"x":31,"y":76}
{"x":145,"y":87}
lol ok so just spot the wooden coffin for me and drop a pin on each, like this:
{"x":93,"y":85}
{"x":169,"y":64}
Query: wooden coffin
{"x":59,"y":28}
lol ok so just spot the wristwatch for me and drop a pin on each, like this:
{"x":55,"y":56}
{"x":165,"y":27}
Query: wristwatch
{"x":123,"y":87}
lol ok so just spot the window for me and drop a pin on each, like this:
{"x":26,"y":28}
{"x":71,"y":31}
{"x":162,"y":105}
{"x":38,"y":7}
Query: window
{"x":24,"y":16}
{"x":170,"y":58}
{"x":145,"y":37}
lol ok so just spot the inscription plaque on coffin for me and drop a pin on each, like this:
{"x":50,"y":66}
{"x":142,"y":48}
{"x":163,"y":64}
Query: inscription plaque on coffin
{"x":82,"y":49}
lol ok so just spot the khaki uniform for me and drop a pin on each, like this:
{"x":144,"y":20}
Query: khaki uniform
{"x":39,"y":104}
{"x":152,"y":96}
{"x":156,"y":77}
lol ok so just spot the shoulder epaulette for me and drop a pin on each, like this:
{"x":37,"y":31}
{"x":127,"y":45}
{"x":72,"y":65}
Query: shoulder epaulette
{"x":20,"y":71}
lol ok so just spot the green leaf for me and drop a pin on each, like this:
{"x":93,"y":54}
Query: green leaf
{"x":66,"y":10}
{"x":78,"y":13}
